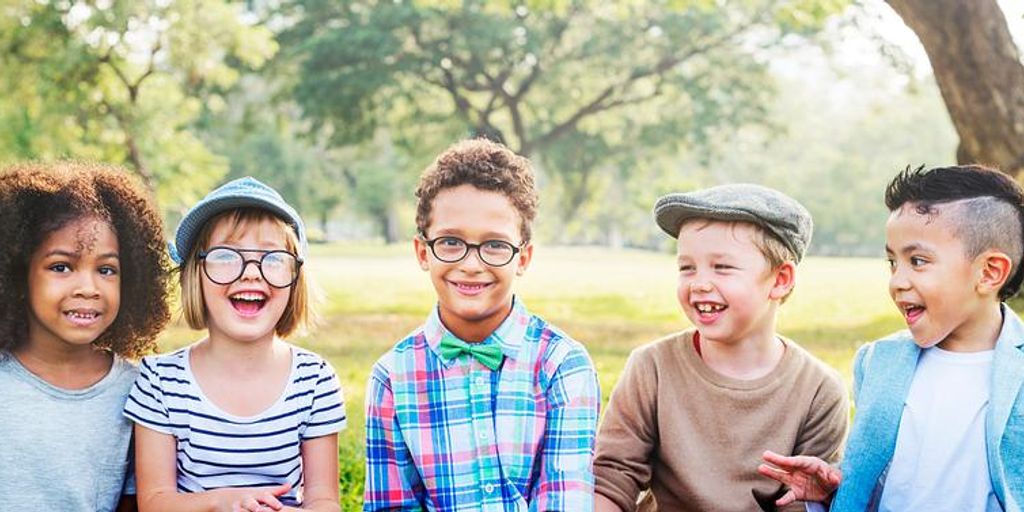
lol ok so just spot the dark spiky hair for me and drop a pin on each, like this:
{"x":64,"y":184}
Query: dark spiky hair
{"x":992,"y":216}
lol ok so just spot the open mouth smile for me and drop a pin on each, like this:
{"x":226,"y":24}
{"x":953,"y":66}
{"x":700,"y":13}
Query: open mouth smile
{"x":82,"y":317}
{"x":248,"y":303}
{"x":708,"y":312}
{"x":912,"y":312}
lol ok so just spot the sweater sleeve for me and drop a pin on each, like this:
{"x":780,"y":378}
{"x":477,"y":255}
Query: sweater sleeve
{"x":824,"y":429}
{"x":628,"y":434}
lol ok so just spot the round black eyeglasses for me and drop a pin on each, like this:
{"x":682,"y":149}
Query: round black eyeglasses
{"x":225,"y":265}
{"x":451,"y":249}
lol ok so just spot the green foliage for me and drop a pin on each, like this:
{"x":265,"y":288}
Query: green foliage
{"x":808,"y":16}
{"x":125,"y":82}
{"x":588,"y":89}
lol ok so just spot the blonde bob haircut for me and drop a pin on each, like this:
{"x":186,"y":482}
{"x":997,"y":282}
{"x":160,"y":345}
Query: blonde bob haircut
{"x":298,"y":314}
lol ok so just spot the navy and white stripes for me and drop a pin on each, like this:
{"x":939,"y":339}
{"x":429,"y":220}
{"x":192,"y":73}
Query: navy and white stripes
{"x":216,"y":449}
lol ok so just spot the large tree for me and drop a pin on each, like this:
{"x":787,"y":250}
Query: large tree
{"x":584,"y":87}
{"x":979,"y":71}
{"x":125,"y":81}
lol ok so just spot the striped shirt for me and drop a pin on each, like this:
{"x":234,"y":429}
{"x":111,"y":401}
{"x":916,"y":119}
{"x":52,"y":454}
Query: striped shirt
{"x":453,"y":435}
{"x":217,"y":449}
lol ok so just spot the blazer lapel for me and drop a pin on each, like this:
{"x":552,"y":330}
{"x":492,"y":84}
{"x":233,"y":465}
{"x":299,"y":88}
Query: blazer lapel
{"x":887,"y":379}
{"x":1007,"y":374}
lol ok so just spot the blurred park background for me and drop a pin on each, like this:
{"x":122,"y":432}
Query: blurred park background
{"x":340,"y":104}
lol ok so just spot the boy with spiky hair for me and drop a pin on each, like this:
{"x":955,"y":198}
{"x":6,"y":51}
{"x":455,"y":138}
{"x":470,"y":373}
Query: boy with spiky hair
{"x":485,"y":406}
{"x":940,"y":409}
{"x":693,"y":411}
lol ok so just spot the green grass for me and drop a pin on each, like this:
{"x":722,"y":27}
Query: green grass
{"x":610,"y":300}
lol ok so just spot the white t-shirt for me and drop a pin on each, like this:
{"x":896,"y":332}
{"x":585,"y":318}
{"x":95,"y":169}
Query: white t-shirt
{"x":940,"y":462}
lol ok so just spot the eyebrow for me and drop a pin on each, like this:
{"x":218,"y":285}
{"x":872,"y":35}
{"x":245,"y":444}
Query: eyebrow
{"x":491,"y":235}
{"x":75,"y":254}
{"x":715,"y":255}
{"x":909,"y":248}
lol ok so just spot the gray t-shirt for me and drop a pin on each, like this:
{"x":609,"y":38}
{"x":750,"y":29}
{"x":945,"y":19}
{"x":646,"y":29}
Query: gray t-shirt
{"x":62,"y":449}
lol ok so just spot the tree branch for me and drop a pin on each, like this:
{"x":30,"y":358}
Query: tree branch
{"x":598,"y":103}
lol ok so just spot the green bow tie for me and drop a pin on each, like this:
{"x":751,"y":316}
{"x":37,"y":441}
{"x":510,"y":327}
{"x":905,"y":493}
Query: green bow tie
{"x":489,"y":355}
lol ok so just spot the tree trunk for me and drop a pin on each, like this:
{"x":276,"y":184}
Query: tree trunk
{"x":979,"y":72}
{"x":387,"y":221}
{"x":324,"y":220}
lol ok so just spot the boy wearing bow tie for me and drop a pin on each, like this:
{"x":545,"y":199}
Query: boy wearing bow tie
{"x":485,"y":406}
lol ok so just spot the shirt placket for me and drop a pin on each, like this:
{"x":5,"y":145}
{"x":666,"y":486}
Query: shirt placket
{"x":486,"y":444}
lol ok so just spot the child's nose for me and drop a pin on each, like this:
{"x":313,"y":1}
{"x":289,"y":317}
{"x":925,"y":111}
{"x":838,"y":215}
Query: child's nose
{"x":700,"y":286}
{"x":251,"y":269}
{"x":898,"y":280}
{"x":473,"y":260}
{"x":86,"y":286}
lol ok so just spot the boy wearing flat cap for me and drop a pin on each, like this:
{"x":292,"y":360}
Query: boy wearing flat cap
{"x":692,"y":413}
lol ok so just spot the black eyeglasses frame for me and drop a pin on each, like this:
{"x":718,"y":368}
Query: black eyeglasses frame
{"x":469,"y":247}
{"x":245,"y":263}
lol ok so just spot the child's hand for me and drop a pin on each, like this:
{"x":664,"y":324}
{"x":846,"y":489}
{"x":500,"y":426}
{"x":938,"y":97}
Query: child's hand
{"x":252,"y":499}
{"x":808,"y":478}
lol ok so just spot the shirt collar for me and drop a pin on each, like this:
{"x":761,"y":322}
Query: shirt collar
{"x":1012,"y":332}
{"x":509,"y":335}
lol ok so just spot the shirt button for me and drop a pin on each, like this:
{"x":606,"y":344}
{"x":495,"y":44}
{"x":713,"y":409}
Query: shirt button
{"x":480,"y":381}
{"x":483,"y":435}
{"x":488,"y":488}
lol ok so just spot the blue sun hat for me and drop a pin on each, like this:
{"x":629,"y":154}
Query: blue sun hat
{"x":247,"y":192}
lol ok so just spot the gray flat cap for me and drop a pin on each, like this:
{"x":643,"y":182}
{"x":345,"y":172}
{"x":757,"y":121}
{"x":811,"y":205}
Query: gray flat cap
{"x":774,"y":211}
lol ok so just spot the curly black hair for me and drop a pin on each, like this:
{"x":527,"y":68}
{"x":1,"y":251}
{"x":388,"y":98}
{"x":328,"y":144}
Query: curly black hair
{"x":37,"y":199}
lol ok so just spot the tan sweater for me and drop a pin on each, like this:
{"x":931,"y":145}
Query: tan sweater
{"x":695,"y":437}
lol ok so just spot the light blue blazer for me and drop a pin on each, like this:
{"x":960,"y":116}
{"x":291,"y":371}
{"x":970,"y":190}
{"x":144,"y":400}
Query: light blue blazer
{"x":882,"y":373}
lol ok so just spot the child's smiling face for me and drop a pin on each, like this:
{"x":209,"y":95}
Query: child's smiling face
{"x":74,"y":284}
{"x":725,"y":286}
{"x":474,"y":297}
{"x":247,"y":309}
{"x":933,"y":282}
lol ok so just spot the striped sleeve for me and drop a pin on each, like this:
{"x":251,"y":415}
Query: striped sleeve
{"x":327,"y":414}
{"x":146,"y":405}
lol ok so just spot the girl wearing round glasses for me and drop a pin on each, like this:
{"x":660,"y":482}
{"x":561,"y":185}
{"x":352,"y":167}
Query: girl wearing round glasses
{"x":241,"y":420}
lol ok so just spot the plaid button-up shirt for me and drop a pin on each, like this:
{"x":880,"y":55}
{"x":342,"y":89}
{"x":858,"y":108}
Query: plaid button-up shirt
{"x":453,"y":435}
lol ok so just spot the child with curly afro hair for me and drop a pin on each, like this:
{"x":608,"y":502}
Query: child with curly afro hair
{"x":84,"y":287}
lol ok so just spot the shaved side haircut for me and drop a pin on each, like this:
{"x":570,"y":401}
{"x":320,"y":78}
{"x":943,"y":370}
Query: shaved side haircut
{"x":985,"y":207}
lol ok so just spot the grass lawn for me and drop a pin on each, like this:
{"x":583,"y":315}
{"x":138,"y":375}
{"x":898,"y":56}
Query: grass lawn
{"x":610,"y":300}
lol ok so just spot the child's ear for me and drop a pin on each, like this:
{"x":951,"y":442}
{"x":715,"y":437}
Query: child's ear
{"x":523,"y":258}
{"x":422,"y":252}
{"x":994,"y":272}
{"x":785,"y":279}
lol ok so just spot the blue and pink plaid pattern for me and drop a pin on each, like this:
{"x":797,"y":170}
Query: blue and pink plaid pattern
{"x":453,"y":435}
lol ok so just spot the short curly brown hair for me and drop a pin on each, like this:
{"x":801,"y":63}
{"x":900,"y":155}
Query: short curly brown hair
{"x":37,"y":199}
{"x":486,"y":165}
